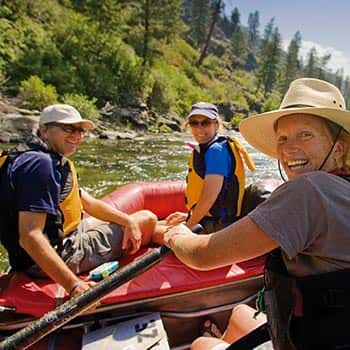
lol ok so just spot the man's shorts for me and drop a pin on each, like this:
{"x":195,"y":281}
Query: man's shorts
{"x":88,"y":248}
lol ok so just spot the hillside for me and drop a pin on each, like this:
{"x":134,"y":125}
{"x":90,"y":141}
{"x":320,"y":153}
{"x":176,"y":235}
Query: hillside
{"x":141,"y":64}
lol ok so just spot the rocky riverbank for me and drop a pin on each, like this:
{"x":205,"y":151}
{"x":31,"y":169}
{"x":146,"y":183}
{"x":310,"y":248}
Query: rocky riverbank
{"x":16,"y":123}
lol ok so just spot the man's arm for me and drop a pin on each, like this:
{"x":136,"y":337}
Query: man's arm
{"x":238,"y":242}
{"x":33,"y":241}
{"x":105,"y":212}
{"x":211,"y":189}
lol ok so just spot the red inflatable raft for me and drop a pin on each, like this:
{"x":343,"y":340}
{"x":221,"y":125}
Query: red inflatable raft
{"x":183,"y":296}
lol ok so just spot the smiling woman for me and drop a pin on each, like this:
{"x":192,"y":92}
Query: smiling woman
{"x":308,"y":146}
{"x":216,"y":179}
{"x":309,"y":253}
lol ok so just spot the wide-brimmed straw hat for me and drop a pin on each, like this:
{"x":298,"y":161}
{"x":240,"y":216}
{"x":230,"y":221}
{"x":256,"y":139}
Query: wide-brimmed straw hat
{"x":304,"y":96}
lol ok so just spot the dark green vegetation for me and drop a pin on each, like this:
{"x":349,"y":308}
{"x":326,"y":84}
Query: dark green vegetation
{"x":167,"y":53}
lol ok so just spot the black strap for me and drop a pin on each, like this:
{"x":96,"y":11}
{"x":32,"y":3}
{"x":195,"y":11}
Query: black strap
{"x":253,"y":339}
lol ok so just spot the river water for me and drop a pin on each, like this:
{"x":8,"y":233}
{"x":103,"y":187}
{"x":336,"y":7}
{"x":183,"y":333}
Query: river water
{"x":104,"y":165}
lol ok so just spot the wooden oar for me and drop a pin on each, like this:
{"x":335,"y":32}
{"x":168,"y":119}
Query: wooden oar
{"x":72,"y":308}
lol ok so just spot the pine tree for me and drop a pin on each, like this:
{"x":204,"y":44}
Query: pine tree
{"x":226,"y":26}
{"x":253,"y":30}
{"x":323,"y":71}
{"x":235,"y":19}
{"x":292,"y":65}
{"x":310,"y":69}
{"x":200,"y":12}
{"x":267,"y":34}
{"x":269,"y":59}
{"x":339,"y":78}
{"x":346,"y":91}
{"x":216,"y":8}
{"x":157,"y":20}
{"x":316,"y":67}
{"x":238,"y":42}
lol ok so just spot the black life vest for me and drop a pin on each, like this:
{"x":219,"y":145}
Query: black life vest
{"x":9,"y":234}
{"x":307,"y":312}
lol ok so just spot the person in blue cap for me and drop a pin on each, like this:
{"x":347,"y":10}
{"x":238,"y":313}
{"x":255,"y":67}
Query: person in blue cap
{"x":216,"y":178}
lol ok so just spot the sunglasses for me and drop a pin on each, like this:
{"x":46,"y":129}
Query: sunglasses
{"x":204,"y":123}
{"x":69,"y":129}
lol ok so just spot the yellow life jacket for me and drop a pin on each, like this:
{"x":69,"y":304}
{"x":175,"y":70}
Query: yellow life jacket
{"x":234,"y":185}
{"x":3,"y":158}
{"x":71,"y":205}
{"x":70,"y":202}
{"x":68,"y":214}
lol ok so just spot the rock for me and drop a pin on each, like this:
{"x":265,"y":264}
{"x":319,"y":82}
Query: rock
{"x":7,"y":108}
{"x":117,"y":135}
{"x":136,"y":102}
{"x":16,"y":127}
{"x":228,"y":110}
{"x":171,"y":121}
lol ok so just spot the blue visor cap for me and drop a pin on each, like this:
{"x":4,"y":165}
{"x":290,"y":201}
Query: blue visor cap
{"x":205,"y":109}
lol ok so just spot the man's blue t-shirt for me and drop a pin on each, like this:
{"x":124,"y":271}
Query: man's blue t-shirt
{"x":36,"y":184}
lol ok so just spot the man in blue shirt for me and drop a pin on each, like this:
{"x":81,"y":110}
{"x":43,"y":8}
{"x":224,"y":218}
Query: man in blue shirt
{"x":41,"y":207}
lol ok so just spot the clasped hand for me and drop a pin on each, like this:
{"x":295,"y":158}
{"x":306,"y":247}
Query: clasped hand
{"x":174,"y":231}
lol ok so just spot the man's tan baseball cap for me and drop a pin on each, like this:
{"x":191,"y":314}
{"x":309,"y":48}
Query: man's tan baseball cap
{"x":64,"y":114}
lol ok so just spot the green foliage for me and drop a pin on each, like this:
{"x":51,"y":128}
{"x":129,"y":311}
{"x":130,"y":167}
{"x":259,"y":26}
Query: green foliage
{"x":173,"y":90}
{"x":270,"y":58}
{"x":2,"y":80}
{"x":235,"y":19}
{"x":291,"y":70}
{"x":94,"y":51}
{"x":253,"y":30}
{"x":238,"y":42}
{"x":83,"y":104}
{"x":316,"y":66}
{"x":179,"y":53}
{"x":272,"y":102}
{"x":199,"y":22}
{"x":153,"y":21}
{"x":236,"y":119}
{"x":164,"y":129}
{"x":36,"y":95}
{"x":227,"y":92}
{"x":215,"y":67}
{"x":104,"y":66}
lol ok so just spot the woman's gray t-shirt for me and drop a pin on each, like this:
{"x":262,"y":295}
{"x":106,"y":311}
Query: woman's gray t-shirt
{"x":309,"y":217}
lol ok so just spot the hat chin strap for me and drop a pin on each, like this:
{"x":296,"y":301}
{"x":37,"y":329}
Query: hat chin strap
{"x":280,"y":171}
{"x":330,"y":151}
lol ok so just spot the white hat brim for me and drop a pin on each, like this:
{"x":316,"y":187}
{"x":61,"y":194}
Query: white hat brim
{"x":259,"y":131}
{"x":85,"y":123}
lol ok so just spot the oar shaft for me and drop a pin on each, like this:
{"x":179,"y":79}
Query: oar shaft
{"x":76,"y":306}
